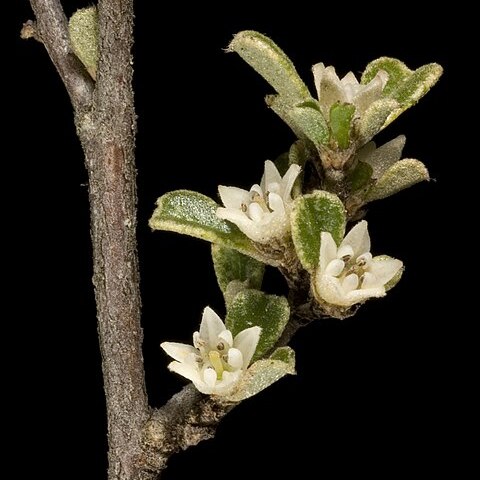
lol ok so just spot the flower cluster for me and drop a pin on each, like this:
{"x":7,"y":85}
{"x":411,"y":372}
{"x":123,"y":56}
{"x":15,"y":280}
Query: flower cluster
{"x":332,"y":90}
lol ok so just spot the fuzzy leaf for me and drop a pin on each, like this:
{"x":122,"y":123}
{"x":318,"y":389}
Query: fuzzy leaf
{"x":267,"y":59}
{"x":309,"y":121}
{"x":83,"y":32}
{"x":286,"y":355}
{"x":341,"y":115}
{"x":194,"y":214}
{"x":232,"y":265}
{"x":282,"y":108}
{"x":400,"y":175}
{"x":298,"y":155}
{"x":253,"y":307}
{"x":413,"y":88}
{"x":313,"y":214}
{"x":360,"y":176}
{"x":264,"y":373}
{"x":397,"y":72}
{"x":375,"y":118}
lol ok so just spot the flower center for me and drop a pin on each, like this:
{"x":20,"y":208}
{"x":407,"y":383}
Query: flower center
{"x":217,"y":363}
{"x":352,"y":272}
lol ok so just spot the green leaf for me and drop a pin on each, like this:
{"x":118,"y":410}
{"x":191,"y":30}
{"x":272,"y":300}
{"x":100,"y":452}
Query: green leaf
{"x":253,"y":307}
{"x":309,"y":121}
{"x":83,"y":32}
{"x":282,"y":108}
{"x":412,"y":89}
{"x":267,"y":59}
{"x":400,"y":175}
{"x":194,"y":214}
{"x":232,"y":265}
{"x":311,"y":215}
{"x":286,"y":355}
{"x":299,"y":154}
{"x":341,"y":115}
{"x":404,"y":85}
{"x":305,"y":120}
{"x":397,"y":72}
{"x":360,"y":176}
{"x":264,"y":373}
{"x":375,"y":118}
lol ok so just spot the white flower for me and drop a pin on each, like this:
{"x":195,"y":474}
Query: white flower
{"x":331,"y":89}
{"x":382,"y":158}
{"x":217,"y":360}
{"x":348,"y":274}
{"x":263,"y":213}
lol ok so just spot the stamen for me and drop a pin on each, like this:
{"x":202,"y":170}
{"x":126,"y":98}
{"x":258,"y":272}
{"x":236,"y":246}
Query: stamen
{"x":244,"y":207}
{"x":221,"y":346}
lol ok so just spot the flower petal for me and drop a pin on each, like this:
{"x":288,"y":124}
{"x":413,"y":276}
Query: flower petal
{"x":382,"y":158}
{"x":255,"y":212}
{"x":329,"y":289}
{"x":180,"y":351}
{"x":335,"y":267}
{"x":345,"y":252}
{"x":233,"y":197}
{"x":384,"y":269}
{"x":288,"y":181}
{"x":358,"y":238}
{"x":360,"y":295}
{"x":246,"y":341}
{"x":350,"y":86}
{"x":228,"y":381}
{"x":227,"y":337}
{"x":270,"y":176}
{"x":371,"y":92}
{"x":328,"y":250}
{"x":188,"y":371}
{"x":369,"y":280}
{"x":211,"y":327}
{"x":275,"y":202}
{"x":235,"y":358}
{"x":350,"y":282}
{"x":210,"y":377}
{"x":329,"y":88}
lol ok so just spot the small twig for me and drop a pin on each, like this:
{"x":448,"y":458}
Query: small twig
{"x":51,"y":28}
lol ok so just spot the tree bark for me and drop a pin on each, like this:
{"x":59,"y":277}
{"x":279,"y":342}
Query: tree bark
{"x":106,"y":124}
{"x":107,"y":133}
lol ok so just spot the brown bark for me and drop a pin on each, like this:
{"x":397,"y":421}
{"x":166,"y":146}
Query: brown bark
{"x":105,"y":120}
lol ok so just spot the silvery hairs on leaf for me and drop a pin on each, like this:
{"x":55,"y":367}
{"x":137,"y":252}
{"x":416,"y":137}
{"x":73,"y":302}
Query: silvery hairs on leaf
{"x":348,"y":274}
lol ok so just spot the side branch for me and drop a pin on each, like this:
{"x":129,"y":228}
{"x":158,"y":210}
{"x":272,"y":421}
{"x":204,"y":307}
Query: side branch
{"x":51,"y":28}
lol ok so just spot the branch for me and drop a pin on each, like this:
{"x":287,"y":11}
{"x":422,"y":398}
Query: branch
{"x":184,"y":421}
{"x":51,"y":28}
{"x":108,"y":139}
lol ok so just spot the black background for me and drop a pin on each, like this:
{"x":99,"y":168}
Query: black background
{"x":371,"y":392}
